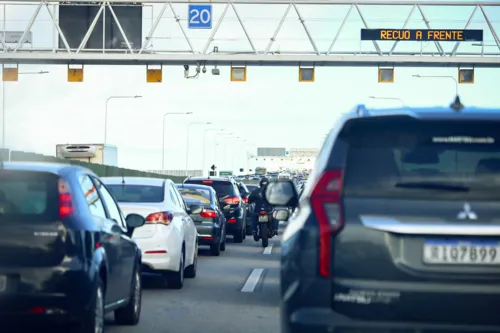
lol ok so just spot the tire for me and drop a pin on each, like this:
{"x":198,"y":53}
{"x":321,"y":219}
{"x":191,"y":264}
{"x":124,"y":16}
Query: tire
{"x":175,"y":280}
{"x":190,"y":271}
{"x":215,"y":248}
{"x":249,"y":230}
{"x":264,"y":234}
{"x":238,"y":236}
{"x":130,"y":314}
{"x":223,"y":242}
{"x":93,"y":320}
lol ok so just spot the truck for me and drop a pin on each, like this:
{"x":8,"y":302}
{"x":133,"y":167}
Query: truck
{"x":93,"y":153}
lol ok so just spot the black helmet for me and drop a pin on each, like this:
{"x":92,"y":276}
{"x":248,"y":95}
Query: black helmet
{"x":264,"y":181}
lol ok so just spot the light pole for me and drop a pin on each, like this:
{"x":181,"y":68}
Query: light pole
{"x":204,"y":146}
{"x":216,"y":145}
{"x":106,"y":113}
{"x":3,"y":102}
{"x":163,"y":136}
{"x":187,"y":140}
{"x":440,"y":77}
{"x":388,"y":98}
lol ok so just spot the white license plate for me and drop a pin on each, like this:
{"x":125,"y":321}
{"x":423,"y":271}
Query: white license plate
{"x":461,"y":252}
{"x":3,"y":283}
{"x":263,"y":218}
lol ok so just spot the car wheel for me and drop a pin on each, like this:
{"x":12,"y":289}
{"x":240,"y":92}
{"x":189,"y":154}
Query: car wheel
{"x":191,"y":269}
{"x":223,"y":242}
{"x":215,"y":248}
{"x":93,"y":321}
{"x":238,"y":236}
{"x":175,"y":280}
{"x":130,"y":314}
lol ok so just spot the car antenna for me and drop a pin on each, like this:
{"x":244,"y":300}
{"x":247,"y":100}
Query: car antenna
{"x":457,"y":104}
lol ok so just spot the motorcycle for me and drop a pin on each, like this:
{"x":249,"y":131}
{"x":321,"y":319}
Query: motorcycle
{"x":265,"y":226}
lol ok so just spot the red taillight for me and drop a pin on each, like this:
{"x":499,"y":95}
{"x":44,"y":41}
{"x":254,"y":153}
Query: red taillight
{"x":208,"y":214}
{"x":156,"y":252}
{"x":245,"y":200}
{"x":160,"y":218}
{"x":207,"y":182}
{"x":65,"y":201}
{"x":263,"y":213}
{"x":232,"y":201}
{"x":327,"y":205}
{"x":38,"y":309}
{"x":231,"y":220}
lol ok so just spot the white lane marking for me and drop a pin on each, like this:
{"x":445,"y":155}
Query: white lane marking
{"x":268,"y":250}
{"x":252,"y":281}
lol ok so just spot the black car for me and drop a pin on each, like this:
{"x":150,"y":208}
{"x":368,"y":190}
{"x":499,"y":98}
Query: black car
{"x":210,"y":223}
{"x":398,"y":226}
{"x":66,"y":253}
{"x":231,"y":203}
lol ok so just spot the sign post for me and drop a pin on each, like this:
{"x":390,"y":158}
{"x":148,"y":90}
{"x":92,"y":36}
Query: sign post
{"x":200,"y":17}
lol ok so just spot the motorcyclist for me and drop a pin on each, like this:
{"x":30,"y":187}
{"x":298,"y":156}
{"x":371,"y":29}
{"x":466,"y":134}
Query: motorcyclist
{"x":257,"y":198}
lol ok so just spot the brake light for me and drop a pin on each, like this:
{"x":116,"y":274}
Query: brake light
{"x":160,"y":218}
{"x":208,"y":214}
{"x":65,"y":201}
{"x":207,"y":182}
{"x":245,"y":200}
{"x":263,"y":213}
{"x":232,"y":201}
{"x":231,"y":220}
{"x":327,"y":205}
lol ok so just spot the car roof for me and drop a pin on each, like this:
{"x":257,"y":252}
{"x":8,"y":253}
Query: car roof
{"x":55,"y":168}
{"x":427,"y":113}
{"x":135,"y":180}
{"x":217,"y":179}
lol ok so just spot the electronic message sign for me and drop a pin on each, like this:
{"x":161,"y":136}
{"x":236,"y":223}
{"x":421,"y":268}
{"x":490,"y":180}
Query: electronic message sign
{"x":422,"y":35}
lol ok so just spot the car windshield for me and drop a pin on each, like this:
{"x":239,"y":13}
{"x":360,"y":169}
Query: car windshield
{"x":400,"y":157}
{"x":196,"y":196}
{"x":137,"y":193}
{"x":28,"y":196}
{"x":222,"y":188}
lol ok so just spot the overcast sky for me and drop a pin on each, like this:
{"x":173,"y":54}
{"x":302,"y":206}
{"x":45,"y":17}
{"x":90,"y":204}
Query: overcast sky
{"x":271,"y":109}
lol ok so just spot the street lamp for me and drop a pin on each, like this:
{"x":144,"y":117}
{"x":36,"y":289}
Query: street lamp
{"x":204,"y":146}
{"x":3,"y":102}
{"x":106,"y":113}
{"x":163,"y":136}
{"x":187,"y":140}
{"x":388,"y":98}
{"x":440,"y":77}
{"x":216,"y":145}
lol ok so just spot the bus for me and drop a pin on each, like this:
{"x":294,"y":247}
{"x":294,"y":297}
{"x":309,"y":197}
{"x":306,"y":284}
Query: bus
{"x":260,"y":171}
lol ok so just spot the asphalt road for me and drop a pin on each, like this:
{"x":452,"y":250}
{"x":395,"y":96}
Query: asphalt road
{"x":235,"y":292}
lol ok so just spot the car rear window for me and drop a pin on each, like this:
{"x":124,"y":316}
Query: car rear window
{"x":221,"y":188}
{"x":195,"y":196}
{"x":400,"y":157}
{"x":28,"y":196}
{"x":137,"y":193}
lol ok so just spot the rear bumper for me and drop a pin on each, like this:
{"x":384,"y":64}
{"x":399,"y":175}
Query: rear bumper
{"x":316,"y":320}
{"x":208,"y":234}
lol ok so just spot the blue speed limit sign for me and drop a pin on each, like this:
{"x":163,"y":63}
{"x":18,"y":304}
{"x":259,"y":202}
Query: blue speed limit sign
{"x":200,"y":17}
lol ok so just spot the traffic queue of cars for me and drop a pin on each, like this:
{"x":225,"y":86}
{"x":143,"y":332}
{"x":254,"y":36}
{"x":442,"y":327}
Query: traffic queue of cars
{"x":73,"y":245}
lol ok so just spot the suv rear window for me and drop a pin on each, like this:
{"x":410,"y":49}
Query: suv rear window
{"x":401,"y":157}
{"x":137,"y":193}
{"x":222,"y":188}
{"x":28,"y":196}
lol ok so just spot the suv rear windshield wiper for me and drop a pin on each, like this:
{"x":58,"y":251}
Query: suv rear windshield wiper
{"x":433,"y":186}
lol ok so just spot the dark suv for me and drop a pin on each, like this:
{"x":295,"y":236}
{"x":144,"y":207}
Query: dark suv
{"x":232,"y":204}
{"x":398,"y":227}
{"x":66,"y":253}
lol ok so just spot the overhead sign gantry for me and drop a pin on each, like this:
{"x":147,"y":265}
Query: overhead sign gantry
{"x":111,"y":33}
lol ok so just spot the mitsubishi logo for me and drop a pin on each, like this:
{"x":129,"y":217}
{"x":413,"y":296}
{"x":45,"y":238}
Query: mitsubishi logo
{"x":467,"y":213}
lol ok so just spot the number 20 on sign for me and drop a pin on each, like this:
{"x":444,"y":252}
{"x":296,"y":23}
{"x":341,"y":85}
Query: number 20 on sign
{"x":200,"y":17}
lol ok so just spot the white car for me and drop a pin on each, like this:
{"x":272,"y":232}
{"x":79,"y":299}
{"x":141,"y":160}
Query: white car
{"x":168,"y":240}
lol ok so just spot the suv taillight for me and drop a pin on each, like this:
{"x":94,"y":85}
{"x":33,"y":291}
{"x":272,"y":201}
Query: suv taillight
{"x":232,"y":201}
{"x":208,"y":214}
{"x":160,"y":218}
{"x":65,"y":200}
{"x":326,"y":201}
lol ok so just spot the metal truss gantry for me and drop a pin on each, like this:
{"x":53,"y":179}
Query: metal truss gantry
{"x":214,"y":51}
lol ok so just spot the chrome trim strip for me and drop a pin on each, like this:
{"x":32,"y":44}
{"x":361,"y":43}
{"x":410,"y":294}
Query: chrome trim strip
{"x":430,"y":227}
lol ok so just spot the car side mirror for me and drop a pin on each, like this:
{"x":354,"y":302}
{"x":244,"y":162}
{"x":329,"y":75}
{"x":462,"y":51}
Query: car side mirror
{"x":281,"y":214}
{"x":134,"y":221}
{"x":282,"y":193}
{"x":195,"y":209}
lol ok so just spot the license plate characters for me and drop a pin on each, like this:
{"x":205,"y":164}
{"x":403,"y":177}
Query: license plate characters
{"x":461,"y":252}
{"x":263,"y":218}
{"x":3,"y":283}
